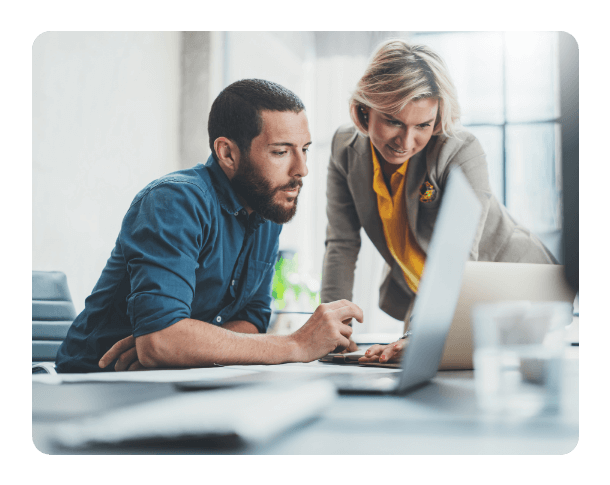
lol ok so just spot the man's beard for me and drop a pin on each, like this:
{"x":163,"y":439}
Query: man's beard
{"x":258,"y":193}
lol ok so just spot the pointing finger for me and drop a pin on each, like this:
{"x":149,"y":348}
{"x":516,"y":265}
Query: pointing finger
{"x":348,"y":312}
{"x":356,"y":311}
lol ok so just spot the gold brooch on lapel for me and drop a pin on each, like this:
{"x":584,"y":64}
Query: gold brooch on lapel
{"x":427,"y":192}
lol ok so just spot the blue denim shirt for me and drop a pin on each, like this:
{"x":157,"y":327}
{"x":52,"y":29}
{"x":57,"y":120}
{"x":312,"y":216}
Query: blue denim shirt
{"x":187,"y":249}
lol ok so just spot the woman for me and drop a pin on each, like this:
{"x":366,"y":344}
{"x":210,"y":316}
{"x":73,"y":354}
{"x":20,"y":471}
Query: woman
{"x":387,"y":174}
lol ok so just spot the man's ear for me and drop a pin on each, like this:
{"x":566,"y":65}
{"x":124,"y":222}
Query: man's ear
{"x":228,"y":155}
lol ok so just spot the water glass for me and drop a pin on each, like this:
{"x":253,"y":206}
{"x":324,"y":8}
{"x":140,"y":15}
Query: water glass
{"x":518,"y":356}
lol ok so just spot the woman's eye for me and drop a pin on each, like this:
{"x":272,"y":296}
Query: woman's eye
{"x":425,"y":125}
{"x":394,"y":122}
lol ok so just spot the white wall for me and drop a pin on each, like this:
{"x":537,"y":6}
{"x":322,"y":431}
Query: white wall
{"x":286,"y":58}
{"x":341,"y":58}
{"x":105,"y":123}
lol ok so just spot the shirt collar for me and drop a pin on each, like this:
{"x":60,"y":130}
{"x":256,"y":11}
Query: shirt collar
{"x":379,"y":185}
{"x":226,"y":194}
{"x":401,"y":170}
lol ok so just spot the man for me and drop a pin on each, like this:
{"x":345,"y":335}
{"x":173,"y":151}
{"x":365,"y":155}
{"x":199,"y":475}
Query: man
{"x":188,"y":283}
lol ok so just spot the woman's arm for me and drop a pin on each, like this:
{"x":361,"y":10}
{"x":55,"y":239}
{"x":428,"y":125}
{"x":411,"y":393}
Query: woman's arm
{"x":342,"y":233}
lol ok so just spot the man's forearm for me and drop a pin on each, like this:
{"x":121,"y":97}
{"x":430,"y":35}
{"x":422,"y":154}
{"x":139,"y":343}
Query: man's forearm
{"x":193,"y":343}
{"x":240,"y":326}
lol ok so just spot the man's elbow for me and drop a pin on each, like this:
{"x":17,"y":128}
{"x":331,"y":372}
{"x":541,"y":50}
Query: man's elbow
{"x":167,"y":347}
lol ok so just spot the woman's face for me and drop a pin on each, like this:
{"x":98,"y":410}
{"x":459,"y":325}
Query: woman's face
{"x":398,"y":138}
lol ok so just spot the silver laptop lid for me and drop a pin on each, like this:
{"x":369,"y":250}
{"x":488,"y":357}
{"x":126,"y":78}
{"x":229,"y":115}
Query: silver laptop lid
{"x":441,"y":280}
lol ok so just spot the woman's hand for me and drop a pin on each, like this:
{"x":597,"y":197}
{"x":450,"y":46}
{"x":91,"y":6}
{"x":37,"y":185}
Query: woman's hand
{"x":384,"y":353}
{"x":126,"y":353}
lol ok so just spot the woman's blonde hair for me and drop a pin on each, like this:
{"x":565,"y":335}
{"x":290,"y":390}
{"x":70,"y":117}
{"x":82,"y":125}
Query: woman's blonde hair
{"x":399,"y":73}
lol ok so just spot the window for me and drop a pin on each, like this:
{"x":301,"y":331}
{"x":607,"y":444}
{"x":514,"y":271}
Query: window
{"x":508,"y":89}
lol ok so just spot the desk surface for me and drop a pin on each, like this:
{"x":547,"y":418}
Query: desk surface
{"x":439,"y":418}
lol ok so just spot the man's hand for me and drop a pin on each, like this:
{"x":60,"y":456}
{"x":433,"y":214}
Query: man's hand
{"x":326,"y":330}
{"x":353,"y":346}
{"x":125,"y":351}
{"x":384,"y":353}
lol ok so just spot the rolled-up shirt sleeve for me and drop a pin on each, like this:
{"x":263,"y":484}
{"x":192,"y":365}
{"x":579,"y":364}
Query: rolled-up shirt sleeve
{"x":161,"y":238}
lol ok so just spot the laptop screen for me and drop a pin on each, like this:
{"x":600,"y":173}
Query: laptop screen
{"x":440,"y":284}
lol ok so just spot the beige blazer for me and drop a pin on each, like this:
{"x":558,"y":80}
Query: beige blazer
{"x":352,"y":204}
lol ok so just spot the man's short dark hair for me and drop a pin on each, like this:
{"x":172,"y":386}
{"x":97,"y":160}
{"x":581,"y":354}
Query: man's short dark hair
{"x":235,"y":113}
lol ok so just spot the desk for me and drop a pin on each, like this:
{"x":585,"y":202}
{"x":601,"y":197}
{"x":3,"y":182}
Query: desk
{"x":439,"y":418}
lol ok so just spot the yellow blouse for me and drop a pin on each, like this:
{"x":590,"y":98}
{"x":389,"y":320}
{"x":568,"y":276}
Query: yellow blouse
{"x":393,"y":212}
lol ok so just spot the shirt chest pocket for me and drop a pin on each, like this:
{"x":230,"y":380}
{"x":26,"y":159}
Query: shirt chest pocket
{"x":254,"y":277}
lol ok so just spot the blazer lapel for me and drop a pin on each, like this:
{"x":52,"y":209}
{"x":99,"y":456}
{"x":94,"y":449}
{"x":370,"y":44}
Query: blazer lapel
{"x":360,"y":179}
{"x":416,"y":175}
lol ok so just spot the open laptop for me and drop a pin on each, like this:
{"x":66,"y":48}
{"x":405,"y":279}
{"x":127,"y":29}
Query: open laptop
{"x":438,"y":293}
{"x":487,"y":282}
{"x":490,"y":282}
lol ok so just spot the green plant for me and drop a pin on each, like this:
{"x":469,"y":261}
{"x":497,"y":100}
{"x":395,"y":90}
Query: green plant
{"x":287,"y":278}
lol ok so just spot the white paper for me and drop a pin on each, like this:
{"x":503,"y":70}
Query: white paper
{"x":168,"y":375}
{"x":317,"y":368}
{"x":208,"y":373}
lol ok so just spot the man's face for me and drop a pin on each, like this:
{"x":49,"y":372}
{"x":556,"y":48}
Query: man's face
{"x":397,"y":138}
{"x":269,"y":176}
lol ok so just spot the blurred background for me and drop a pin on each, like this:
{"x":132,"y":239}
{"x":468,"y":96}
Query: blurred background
{"x":112,"y":111}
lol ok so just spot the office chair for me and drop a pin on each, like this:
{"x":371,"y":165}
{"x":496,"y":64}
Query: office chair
{"x":52,"y":315}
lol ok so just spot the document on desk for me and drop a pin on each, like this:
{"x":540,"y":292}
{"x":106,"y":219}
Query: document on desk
{"x":252,"y":414}
{"x":167,"y":375}
{"x":317,"y":367}
{"x":206,"y":374}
